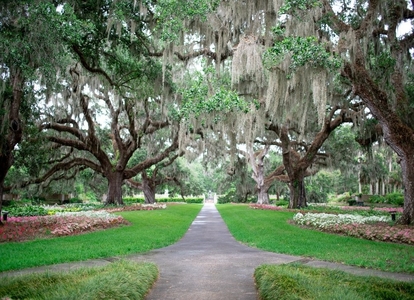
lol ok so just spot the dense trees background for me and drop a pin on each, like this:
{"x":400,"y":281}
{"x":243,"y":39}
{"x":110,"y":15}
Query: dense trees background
{"x":134,"y":91}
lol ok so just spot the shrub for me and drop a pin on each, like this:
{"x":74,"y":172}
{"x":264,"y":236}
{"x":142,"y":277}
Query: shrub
{"x":194,"y":200}
{"x":395,"y":198}
{"x":282,"y":203}
{"x":27,"y":211}
{"x":343,"y":198}
{"x":225,"y":199}
{"x":351,"y":202}
{"x":315,"y":196}
{"x":75,"y":200}
{"x":377,"y":199}
{"x":130,"y":200}
{"x":169,"y":199}
{"x":180,"y":199}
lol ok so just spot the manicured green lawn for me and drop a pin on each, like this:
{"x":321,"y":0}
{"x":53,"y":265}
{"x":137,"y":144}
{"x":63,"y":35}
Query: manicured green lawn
{"x":118,"y":280}
{"x":301,"y":282}
{"x":270,"y":230}
{"x":149,"y":230}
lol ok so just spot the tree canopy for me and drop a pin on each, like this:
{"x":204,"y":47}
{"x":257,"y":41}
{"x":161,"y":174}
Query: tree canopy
{"x":214,"y":78}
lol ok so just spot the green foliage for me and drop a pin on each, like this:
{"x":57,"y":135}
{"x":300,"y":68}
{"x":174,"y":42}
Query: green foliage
{"x":291,"y":6}
{"x":198,"y":100}
{"x":392,"y":198}
{"x":27,"y":211}
{"x":172,"y":14}
{"x":303,"y":50}
{"x":233,"y":195}
{"x":320,"y":185}
{"x":194,"y":200}
{"x":33,"y":40}
{"x":118,"y":280}
{"x":343,"y":197}
{"x":296,"y":281}
{"x":382,"y":63}
{"x":283,"y":203}
{"x":351,"y":202}
{"x":229,"y":197}
{"x":75,"y":200}
{"x":179,"y":199}
{"x":316,"y":196}
{"x":131,"y":200}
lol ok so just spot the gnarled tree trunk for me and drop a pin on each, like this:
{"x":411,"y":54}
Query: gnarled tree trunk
{"x":257,"y":163}
{"x":114,"y":195}
{"x":263,"y":195}
{"x":12,"y":133}
{"x":149,"y":194}
{"x":148,"y":188}
{"x":397,"y":134}
{"x":297,"y":193}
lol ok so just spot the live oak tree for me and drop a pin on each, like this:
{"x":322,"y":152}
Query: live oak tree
{"x":292,"y":91}
{"x":136,"y":120}
{"x":377,"y":62}
{"x":156,"y":176}
{"x":31,"y":53}
{"x":113,"y":73}
{"x":104,"y":41}
{"x":357,"y":40}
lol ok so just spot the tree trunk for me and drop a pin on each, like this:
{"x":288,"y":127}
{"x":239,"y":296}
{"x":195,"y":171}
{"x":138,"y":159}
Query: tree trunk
{"x":297,"y":193}
{"x":262,"y":196}
{"x":115,"y":180}
{"x":407,"y":168}
{"x":149,"y":191}
{"x":397,"y":134}
{"x":12,"y":133}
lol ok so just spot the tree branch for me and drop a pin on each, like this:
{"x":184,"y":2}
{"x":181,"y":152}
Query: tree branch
{"x":90,"y":68}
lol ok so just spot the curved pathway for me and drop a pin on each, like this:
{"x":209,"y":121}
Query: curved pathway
{"x":209,"y":264}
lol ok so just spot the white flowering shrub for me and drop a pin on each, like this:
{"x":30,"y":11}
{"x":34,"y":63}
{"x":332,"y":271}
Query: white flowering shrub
{"x":102,"y":214}
{"x":323,"y":221}
{"x":371,"y":228}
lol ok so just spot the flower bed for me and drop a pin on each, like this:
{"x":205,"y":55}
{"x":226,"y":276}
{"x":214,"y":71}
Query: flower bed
{"x":366,"y":208}
{"x":265,"y":206}
{"x":137,"y":206}
{"x":61,"y":224}
{"x":372,"y":228}
{"x":64,"y":220}
{"x":323,"y":220}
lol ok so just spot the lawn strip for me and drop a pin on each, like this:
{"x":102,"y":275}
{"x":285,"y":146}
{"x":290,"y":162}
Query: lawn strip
{"x":119,"y":280}
{"x":270,"y":231}
{"x":302,"y":282}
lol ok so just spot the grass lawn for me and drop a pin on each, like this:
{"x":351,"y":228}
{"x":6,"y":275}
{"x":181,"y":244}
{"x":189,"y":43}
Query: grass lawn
{"x":269,"y":230}
{"x":149,"y":230}
{"x":119,"y":280}
{"x":302,"y":282}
